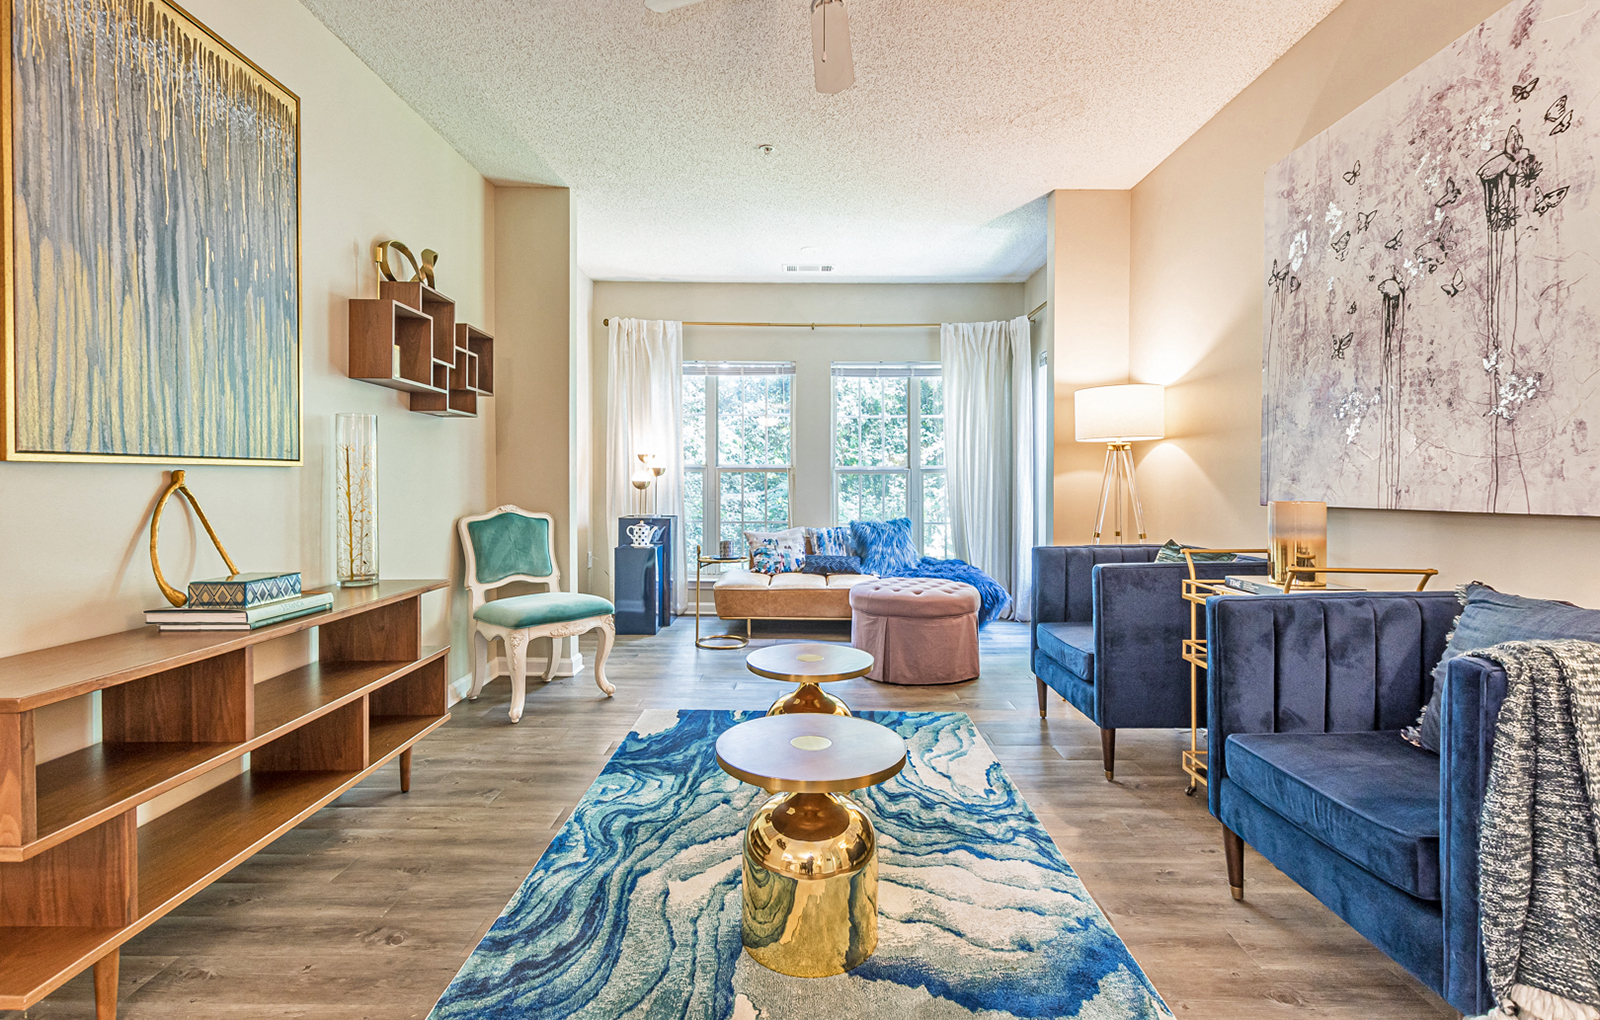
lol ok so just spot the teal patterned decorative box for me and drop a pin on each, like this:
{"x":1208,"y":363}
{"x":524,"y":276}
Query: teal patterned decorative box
{"x":242,"y":591}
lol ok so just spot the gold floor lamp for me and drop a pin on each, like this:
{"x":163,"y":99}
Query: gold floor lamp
{"x":1119,"y":416}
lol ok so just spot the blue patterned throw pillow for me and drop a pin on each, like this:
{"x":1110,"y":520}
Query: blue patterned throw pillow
{"x":831,"y":565}
{"x":771,"y":558}
{"x":830,"y":541}
{"x":885,"y":546}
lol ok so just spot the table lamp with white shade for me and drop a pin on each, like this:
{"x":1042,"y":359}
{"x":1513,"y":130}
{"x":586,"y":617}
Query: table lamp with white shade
{"x":1119,"y":416}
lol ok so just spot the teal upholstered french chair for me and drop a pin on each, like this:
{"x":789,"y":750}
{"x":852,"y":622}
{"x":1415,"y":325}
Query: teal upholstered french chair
{"x":511,"y":544}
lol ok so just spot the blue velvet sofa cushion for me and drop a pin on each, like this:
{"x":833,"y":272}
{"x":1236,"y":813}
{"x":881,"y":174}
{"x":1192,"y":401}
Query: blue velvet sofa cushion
{"x":1072,"y":645}
{"x":541,"y":608}
{"x":1371,"y":796}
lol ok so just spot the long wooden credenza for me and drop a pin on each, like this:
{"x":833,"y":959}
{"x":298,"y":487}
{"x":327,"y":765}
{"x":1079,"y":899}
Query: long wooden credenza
{"x":79,"y":876}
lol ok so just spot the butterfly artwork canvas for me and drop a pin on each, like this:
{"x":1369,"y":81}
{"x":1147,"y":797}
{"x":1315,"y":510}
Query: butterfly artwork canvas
{"x":1443,"y":233}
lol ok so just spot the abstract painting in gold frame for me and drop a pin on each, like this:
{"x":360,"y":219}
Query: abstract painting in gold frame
{"x":151,"y":203}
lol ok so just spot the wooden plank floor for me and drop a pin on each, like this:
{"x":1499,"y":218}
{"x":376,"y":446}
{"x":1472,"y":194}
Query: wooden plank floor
{"x":367,"y":910}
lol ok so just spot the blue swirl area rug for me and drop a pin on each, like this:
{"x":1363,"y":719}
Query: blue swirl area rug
{"x":633,"y":911}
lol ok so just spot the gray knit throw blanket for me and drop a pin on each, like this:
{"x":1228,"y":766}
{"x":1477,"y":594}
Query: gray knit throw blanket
{"x":1539,"y":854}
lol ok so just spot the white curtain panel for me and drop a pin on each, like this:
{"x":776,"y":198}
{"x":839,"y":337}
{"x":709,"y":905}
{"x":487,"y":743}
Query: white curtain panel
{"x":644,"y":414}
{"x":989,"y":441}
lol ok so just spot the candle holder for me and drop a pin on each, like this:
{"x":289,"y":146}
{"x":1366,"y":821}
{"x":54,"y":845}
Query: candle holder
{"x":1297,"y":536}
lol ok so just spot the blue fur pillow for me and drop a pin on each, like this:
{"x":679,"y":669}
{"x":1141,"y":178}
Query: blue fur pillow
{"x":885,"y":546}
{"x":770,"y":559}
{"x":831,"y":565}
{"x":831,"y":541}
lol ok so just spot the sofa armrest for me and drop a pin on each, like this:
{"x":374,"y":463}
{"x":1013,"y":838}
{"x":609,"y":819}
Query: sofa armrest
{"x":1474,"y":690}
{"x":1141,"y":620}
{"x":1318,"y":663}
{"x":1062,"y":579}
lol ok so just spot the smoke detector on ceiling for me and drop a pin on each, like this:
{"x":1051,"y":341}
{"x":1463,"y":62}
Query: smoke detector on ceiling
{"x":790,"y":267}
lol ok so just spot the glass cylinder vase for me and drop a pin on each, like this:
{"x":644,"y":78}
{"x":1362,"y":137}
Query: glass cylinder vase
{"x":1297,"y":536}
{"x":355,"y":495}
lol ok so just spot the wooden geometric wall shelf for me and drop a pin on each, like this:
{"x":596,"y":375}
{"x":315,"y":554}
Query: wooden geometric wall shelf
{"x":407,"y":338}
{"x":79,"y":876}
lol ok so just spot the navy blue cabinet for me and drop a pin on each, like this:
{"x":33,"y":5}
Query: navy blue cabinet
{"x":644,"y":577}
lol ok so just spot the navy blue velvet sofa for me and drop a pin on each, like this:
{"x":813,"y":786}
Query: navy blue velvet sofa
{"x":1108,"y":629}
{"x":1306,"y":700}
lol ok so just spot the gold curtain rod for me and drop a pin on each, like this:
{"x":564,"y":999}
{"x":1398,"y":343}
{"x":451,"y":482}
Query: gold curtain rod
{"x":828,"y":325}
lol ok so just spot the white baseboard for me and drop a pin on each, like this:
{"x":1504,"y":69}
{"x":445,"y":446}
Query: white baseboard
{"x":498,"y":667}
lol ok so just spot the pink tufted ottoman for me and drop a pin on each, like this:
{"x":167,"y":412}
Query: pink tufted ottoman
{"x":919,"y":631}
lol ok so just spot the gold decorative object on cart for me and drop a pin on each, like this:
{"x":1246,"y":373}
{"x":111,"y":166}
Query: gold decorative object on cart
{"x":1196,"y":649}
{"x":178,"y":485}
{"x":810,"y":852}
{"x":723,"y":641}
{"x":809,"y":665}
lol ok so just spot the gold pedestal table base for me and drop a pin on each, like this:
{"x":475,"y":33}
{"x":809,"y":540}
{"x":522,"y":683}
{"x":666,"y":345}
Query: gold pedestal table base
{"x":810,"y":853}
{"x":808,"y":665}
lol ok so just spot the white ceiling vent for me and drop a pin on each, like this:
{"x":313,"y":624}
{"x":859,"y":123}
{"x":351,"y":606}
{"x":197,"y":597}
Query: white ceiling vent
{"x":792,"y":268}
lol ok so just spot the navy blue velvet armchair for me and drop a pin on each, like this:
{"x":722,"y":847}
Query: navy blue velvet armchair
{"x":1108,"y":629}
{"x":1306,"y":699}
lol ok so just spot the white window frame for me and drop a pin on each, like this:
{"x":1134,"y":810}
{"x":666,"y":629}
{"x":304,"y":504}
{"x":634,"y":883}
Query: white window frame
{"x":711,"y":471}
{"x":914,"y":471}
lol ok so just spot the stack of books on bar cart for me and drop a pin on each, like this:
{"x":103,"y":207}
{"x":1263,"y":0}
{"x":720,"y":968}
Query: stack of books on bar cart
{"x":240,"y":602}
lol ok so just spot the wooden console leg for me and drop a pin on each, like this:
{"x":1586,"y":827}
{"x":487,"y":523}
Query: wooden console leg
{"x":405,"y":771}
{"x":1042,"y":690}
{"x":1108,"y":751}
{"x":1233,"y":848}
{"x":105,"y":985}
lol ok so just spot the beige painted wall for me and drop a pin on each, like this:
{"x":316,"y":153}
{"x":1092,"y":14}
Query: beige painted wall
{"x":1089,"y":306}
{"x":1196,"y":316}
{"x":73,"y":556}
{"x":539,"y":294}
{"x":813,"y":352}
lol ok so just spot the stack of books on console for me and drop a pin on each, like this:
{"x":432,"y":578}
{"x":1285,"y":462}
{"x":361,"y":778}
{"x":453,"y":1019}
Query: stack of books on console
{"x":240,"y":602}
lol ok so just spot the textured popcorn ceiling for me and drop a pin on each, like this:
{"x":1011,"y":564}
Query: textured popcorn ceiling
{"x":933,"y":167}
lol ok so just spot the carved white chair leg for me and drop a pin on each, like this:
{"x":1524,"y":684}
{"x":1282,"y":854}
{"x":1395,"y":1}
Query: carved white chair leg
{"x":519,"y":672}
{"x":551,"y":660}
{"x":608,"y":634}
{"x":480,"y":664}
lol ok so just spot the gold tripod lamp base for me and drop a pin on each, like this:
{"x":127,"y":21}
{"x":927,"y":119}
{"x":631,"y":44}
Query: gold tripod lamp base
{"x":1118,"y":473}
{"x":1119,"y":416}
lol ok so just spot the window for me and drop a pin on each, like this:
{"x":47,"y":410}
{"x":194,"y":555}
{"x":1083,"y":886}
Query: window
{"x":888,"y":448}
{"x":737,"y":450}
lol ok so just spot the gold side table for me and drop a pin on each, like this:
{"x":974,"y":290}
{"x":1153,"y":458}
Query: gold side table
{"x":810,"y":853}
{"x":715,"y":641}
{"x":809,"y":664}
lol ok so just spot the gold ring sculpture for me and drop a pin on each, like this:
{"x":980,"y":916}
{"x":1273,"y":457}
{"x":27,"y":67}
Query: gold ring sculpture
{"x":421,"y":268}
{"x":173,"y":595}
{"x":380,"y":255}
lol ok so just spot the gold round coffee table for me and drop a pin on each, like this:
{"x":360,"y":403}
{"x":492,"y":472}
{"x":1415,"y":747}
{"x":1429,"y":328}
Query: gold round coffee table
{"x":809,"y":664}
{"x":810,"y":853}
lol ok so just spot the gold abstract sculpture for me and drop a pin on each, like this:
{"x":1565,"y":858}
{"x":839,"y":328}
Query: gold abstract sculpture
{"x":174,"y":596}
{"x":380,"y":255}
{"x":421,"y":268}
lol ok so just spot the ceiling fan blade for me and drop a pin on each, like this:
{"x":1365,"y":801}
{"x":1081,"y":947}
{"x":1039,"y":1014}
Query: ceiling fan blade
{"x":830,"y":46}
{"x":663,"y":6}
